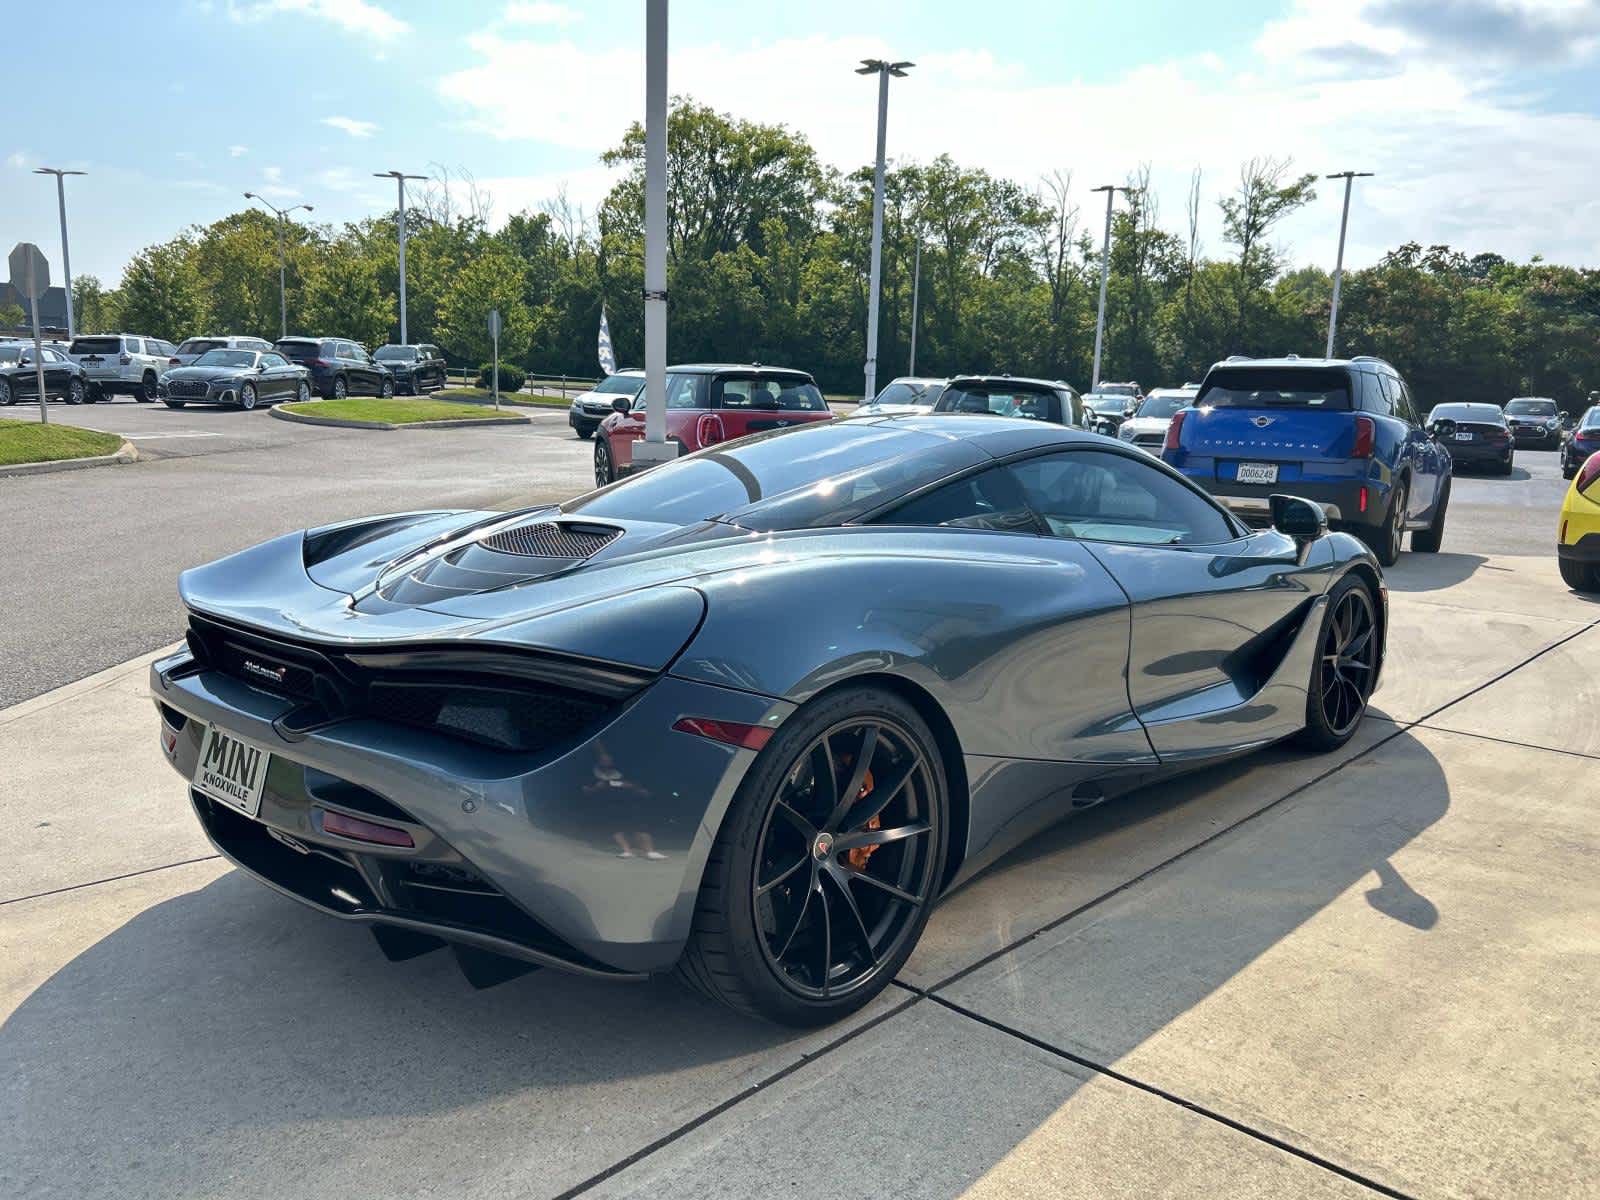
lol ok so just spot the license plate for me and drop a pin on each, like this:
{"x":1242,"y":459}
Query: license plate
{"x":1257,"y":473}
{"x":232,"y":771}
{"x":1463,"y":437}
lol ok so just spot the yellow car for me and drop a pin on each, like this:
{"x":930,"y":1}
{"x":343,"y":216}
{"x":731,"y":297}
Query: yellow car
{"x":1578,"y":545}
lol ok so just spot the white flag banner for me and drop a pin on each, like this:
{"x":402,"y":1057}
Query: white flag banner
{"x":608,"y":357}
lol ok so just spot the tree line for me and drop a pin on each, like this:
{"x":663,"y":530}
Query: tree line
{"x":768,"y":261}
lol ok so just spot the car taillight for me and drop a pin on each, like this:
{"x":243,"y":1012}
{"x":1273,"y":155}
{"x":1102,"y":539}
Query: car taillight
{"x":319,"y":362}
{"x":1174,"y":430}
{"x":1365,"y":430}
{"x":1361,"y":502}
{"x":708,"y":430}
{"x":125,"y":359}
{"x":731,"y":733}
{"x":174,"y":362}
{"x":1588,"y":473}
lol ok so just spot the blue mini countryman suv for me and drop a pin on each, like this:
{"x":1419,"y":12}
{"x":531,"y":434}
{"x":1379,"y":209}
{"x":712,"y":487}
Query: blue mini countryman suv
{"x":1342,"y":432}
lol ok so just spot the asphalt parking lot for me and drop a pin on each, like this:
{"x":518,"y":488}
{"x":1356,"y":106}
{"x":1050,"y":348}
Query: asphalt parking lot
{"x":1367,"y":973}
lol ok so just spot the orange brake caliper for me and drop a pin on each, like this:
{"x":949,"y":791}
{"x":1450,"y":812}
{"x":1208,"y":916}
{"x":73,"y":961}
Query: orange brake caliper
{"x":857,"y":858}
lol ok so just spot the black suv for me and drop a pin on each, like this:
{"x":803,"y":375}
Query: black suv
{"x":415,"y":367}
{"x":338,"y":367}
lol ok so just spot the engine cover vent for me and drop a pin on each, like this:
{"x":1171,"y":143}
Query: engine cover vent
{"x":547,"y":539}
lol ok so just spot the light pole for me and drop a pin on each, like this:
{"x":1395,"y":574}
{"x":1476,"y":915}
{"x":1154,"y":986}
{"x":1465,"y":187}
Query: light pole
{"x":1338,"y":267}
{"x":66,"y":261}
{"x":283,"y":294}
{"x":883,"y":70}
{"x":1105,"y":274}
{"x":916,"y":287}
{"x":655,"y":448}
{"x":400,"y":180}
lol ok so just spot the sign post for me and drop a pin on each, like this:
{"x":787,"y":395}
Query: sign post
{"x":494,"y":334}
{"x":29,"y":266}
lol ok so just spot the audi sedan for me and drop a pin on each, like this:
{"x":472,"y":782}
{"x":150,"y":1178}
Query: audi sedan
{"x":240,"y":378}
{"x":745,"y":717}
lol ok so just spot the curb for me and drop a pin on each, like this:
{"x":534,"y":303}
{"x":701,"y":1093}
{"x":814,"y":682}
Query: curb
{"x":123,"y":456}
{"x":341,"y":423}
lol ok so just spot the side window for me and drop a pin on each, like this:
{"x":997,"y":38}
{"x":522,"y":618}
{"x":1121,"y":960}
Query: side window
{"x":987,"y":500}
{"x":1100,"y":496}
{"x":734,"y":393}
{"x":272,"y":360}
{"x":1402,"y":401}
{"x":687,"y":391}
{"x":348,"y":350}
{"x":133,"y":345}
{"x":328,"y":350}
{"x":1373,"y":398}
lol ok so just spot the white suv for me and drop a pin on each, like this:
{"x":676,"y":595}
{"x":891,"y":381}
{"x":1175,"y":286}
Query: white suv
{"x":192,"y":348}
{"x":123,"y":362}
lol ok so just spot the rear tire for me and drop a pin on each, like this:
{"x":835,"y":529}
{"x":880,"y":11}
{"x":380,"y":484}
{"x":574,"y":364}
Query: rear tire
{"x":1345,"y":669}
{"x":1386,"y":539}
{"x":604,"y":471}
{"x":341,"y":389}
{"x":1427,"y":541}
{"x":1580,"y":577}
{"x":147,"y":390}
{"x":865,"y":924}
{"x":7,"y":396}
{"x":386,"y":389}
{"x":75,"y":391}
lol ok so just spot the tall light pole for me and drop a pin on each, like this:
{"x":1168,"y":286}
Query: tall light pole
{"x":1105,"y":274}
{"x":283,"y":262}
{"x":1338,"y":266}
{"x":400,"y":180}
{"x":916,"y":288}
{"x":655,"y":448}
{"x":883,"y":70}
{"x":66,"y":261}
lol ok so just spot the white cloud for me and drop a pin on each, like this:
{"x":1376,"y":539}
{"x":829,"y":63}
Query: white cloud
{"x":1431,"y":125}
{"x":539,"y":12}
{"x":356,"y":16}
{"x":238,"y":151}
{"x":274,"y":187}
{"x":355,"y":128}
{"x":19,"y":159}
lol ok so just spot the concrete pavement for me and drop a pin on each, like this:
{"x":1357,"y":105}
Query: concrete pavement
{"x":1372,"y":972}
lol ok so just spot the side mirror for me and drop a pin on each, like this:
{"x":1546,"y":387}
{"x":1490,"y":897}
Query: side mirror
{"x":1302,"y":520}
{"x":621,"y":404}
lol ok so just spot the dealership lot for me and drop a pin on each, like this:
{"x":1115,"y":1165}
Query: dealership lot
{"x":1368,"y":973}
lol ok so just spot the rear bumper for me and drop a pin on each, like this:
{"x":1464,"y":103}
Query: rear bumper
{"x":1476,"y":455}
{"x":1585,"y":550}
{"x":519,"y":854}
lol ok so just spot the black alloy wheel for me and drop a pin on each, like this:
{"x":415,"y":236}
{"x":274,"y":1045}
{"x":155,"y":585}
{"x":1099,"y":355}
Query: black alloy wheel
{"x":75,"y":391}
{"x":147,"y":390}
{"x":827,"y":864}
{"x":1346,"y":667}
{"x":604,"y":472}
{"x":845,"y":858}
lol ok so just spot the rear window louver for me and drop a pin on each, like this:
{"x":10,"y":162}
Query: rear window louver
{"x":547,"y":539}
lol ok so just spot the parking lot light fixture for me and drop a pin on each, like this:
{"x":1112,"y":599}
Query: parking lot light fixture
{"x":1338,"y":265}
{"x":883,"y":70}
{"x":66,"y":260}
{"x":400,"y":220}
{"x":1105,"y":274}
{"x":283,"y":216}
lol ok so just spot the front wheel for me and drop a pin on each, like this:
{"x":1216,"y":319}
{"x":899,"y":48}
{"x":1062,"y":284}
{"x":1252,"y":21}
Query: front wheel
{"x":247,"y":397}
{"x":604,"y":472}
{"x":1346,"y":667}
{"x":824,"y":872}
{"x":584,"y":434}
{"x":1427,"y":541}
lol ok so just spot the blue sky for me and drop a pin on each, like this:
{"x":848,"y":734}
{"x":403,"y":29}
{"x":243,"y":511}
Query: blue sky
{"x":1481,"y":117}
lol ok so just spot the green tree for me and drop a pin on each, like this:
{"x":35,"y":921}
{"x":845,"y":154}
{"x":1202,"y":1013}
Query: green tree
{"x":161,"y":292}
{"x":1262,"y":199}
{"x":12,"y":315}
{"x":343,"y":295}
{"x":493,"y":279}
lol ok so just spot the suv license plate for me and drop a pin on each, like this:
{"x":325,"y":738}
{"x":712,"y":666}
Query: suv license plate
{"x":232,"y":771}
{"x":1257,"y":473}
{"x":1463,"y":437}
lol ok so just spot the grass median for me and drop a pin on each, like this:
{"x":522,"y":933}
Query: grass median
{"x":477,"y":395}
{"x":399,"y":411}
{"x":29,"y":442}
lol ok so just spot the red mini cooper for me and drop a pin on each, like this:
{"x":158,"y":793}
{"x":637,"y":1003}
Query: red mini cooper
{"x":707,"y":404}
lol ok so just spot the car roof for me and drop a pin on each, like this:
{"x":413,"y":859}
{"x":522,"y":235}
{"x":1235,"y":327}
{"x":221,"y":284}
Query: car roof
{"x":1005,"y":379}
{"x":742,"y":368}
{"x":924,"y":379}
{"x":1186,"y":390}
{"x":997,"y":436}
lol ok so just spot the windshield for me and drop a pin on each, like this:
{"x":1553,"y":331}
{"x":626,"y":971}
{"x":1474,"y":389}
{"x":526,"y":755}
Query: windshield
{"x":1099,"y":400}
{"x":1163,"y":406}
{"x":904,"y":392}
{"x":620,"y":385}
{"x":1531,"y":408}
{"x":396,"y":354}
{"x":1118,"y":389}
{"x":1256,"y":387}
{"x":226,"y":358}
{"x":1001,"y":400}
{"x":823,"y":474}
{"x":1591,"y":419}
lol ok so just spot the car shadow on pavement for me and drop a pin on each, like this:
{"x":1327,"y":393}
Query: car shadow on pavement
{"x":228,"y":1039}
{"x":1431,"y":572}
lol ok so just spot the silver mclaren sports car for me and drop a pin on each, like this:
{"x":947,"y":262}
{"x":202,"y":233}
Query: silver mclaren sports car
{"x":747,"y":716}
